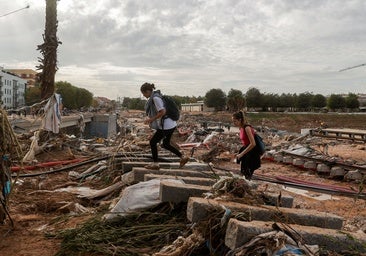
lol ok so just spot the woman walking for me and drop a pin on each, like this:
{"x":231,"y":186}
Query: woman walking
{"x":249,"y":156}
{"x":157,"y":120}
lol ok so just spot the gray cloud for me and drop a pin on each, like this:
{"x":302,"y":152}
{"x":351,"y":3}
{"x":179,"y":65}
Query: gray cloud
{"x":189,"y":47}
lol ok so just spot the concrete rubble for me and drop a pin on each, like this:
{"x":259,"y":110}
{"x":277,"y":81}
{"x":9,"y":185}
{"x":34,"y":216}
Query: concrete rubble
{"x":315,"y":228}
{"x":246,"y":215}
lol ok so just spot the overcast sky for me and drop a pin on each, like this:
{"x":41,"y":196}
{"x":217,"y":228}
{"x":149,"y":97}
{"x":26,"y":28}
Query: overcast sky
{"x":187,"y":47}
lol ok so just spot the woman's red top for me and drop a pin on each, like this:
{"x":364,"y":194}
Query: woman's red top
{"x":244,"y":137}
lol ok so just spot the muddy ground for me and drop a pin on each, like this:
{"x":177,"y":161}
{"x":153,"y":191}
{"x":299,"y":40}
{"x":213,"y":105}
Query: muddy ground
{"x":37,"y":211}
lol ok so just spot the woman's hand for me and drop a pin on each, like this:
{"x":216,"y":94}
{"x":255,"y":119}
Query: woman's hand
{"x":238,"y":156}
{"x":148,"y":121}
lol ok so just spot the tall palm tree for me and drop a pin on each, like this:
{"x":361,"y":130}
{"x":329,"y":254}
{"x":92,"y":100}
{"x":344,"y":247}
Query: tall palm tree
{"x":49,"y":51}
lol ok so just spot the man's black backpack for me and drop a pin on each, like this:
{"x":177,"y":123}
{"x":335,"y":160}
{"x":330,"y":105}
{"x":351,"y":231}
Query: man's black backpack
{"x":172,"y":109}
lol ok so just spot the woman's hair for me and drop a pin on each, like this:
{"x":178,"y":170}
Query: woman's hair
{"x":240,"y":116}
{"x":147,"y":87}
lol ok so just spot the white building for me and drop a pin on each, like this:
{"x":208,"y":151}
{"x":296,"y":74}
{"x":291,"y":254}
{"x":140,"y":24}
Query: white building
{"x":195,"y":107}
{"x":12,"y":89}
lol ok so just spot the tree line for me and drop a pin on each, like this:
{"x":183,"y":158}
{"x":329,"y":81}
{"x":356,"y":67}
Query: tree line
{"x":76,"y":98}
{"x":72,"y":97}
{"x":253,"y":99}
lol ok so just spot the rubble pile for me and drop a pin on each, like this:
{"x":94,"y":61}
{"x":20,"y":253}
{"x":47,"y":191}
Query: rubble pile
{"x":122,"y":208}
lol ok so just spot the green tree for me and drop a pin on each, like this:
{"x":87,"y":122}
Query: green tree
{"x":85,"y":98}
{"x":270,"y":102}
{"x":74,"y":97}
{"x":235,"y":100}
{"x":178,"y":100}
{"x":215,"y":98}
{"x":253,"y":98}
{"x":352,"y":101}
{"x":303,"y":101}
{"x":126,"y":101}
{"x":287,"y":101}
{"x":133,"y":103}
{"x":32,"y":95}
{"x":68,"y":93}
{"x":336,"y":101}
{"x":318,"y":101}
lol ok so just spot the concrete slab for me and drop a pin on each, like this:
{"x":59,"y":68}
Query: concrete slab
{"x":240,"y":232}
{"x":176,"y":193}
{"x":147,"y":159}
{"x":138,"y":173}
{"x":187,"y":180}
{"x":127,"y":166}
{"x":199,"y":208}
{"x":274,"y":199}
{"x":141,"y":154}
{"x":118,"y":162}
{"x":269,"y":198}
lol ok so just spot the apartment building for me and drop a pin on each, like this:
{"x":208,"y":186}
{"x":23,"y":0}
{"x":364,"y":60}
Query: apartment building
{"x":28,"y":74}
{"x":12,"y":90}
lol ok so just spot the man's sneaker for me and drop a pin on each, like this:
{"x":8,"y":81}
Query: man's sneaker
{"x":152,"y":166}
{"x":183,"y":161}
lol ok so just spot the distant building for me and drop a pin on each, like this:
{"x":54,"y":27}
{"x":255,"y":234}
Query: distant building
{"x":199,"y":106}
{"x":103,"y":101}
{"x":362,"y":99}
{"x":12,"y":89}
{"x":28,"y":74}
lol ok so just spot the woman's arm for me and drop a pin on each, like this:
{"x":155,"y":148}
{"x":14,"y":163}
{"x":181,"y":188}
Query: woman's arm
{"x":160,"y":114}
{"x":160,"y":110}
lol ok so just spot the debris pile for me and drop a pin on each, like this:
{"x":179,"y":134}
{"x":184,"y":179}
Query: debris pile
{"x":10,"y":151}
{"x":98,"y":183}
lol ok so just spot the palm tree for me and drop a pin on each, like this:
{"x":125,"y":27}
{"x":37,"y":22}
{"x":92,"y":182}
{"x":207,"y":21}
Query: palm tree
{"x":49,"y":51}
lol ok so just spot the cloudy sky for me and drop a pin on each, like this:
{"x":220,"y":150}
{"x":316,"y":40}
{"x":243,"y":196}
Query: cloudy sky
{"x":187,"y":47}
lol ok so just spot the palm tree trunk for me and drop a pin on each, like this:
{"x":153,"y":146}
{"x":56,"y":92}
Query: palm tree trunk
{"x":49,"y":51}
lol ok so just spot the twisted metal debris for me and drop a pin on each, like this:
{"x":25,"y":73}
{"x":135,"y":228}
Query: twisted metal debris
{"x":9,"y":150}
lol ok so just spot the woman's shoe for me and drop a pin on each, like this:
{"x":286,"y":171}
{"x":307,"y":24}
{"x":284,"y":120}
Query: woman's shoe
{"x":183,"y":161}
{"x":152,"y":166}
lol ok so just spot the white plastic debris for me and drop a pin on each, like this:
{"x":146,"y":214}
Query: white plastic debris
{"x":137,"y":197}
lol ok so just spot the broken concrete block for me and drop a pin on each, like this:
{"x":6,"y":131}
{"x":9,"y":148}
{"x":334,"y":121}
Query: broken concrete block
{"x":127,"y":166}
{"x":298,"y":162}
{"x":199,"y":208}
{"x":355,"y":175}
{"x":323,"y":168}
{"x":138,"y":174}
{"x":310,"y":165}
{"x":176,"y":193}
{"x":278,"y":157}
{"x":188,"y":180}
{"x":337,"y":171}
{"x":283,"y":201}
{"x":287,"y":160}
{"x":240,"y":232}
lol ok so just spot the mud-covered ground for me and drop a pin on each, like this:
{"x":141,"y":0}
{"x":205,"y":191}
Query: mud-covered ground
{"x":36,"y":210}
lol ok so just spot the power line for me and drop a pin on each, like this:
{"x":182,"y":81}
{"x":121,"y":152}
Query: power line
{"x":6,"y":14}
{"x":352,"y":67}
